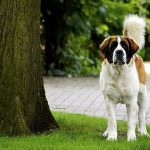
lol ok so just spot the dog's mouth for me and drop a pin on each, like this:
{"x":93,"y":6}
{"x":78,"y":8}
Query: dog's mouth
{"x":119,"y":62}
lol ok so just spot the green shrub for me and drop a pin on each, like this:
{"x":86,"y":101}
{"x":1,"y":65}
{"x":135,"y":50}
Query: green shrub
{"x":76,"y":57}
{"x":74,"y":29}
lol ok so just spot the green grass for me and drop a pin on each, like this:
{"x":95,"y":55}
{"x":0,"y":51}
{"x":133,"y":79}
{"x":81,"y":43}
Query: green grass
{"x":77,"y":132}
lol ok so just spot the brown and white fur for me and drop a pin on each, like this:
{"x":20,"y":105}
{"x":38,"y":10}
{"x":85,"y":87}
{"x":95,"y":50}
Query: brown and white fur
{"x":123,"y":77}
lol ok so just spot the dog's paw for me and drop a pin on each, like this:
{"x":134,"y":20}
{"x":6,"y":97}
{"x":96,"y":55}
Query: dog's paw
{"x":105,"y":134}
{"x":131,"y":136}
{"x":144,"y":133}
{"x":112,"y":136}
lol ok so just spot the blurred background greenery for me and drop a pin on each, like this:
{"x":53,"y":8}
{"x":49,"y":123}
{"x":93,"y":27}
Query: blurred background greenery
{"x":71,"y":31}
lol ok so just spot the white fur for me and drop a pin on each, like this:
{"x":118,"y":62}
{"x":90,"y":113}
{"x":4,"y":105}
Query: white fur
{"x":142,"y":100}
{"x":134,"y":27}
{"x":120,"y":84}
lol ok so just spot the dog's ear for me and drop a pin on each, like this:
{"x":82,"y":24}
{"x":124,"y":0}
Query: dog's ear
{"x":132,"y":45}
{"x":104,"y":47}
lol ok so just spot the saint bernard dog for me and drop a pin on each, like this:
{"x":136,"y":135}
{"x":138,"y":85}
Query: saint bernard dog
{"x":123,"y":77}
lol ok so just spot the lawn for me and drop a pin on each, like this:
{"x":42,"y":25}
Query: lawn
{"x":77,"y":132}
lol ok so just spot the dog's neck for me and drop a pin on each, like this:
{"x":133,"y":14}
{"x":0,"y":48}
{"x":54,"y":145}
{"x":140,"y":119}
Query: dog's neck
{"x":118,"y":70}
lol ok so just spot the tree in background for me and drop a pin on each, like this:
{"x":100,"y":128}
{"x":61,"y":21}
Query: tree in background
{"x":23,"y":105}
{"x":61,"y":20}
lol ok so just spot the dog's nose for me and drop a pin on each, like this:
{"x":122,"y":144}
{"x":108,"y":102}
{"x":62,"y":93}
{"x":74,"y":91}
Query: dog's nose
{"x":119,"y":52}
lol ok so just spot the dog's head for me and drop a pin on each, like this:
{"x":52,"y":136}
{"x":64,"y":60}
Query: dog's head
{"x":118,"y":49}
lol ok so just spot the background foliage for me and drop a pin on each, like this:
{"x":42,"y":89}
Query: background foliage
{"x":71,"y":32}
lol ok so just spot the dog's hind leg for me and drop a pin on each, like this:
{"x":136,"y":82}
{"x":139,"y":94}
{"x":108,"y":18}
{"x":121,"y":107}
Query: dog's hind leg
{"x":142,"y":97}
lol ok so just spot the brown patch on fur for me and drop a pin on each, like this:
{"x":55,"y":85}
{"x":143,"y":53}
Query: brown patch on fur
{"x":105,"y":44}
{"x":140,"y":69}
{"x":124,"y":38}
{"x":130,"y":42}
{"x":101,"y":55}
{"x":104,"y":47}
{"x":133,"y":46}
{"x":125,"y":32}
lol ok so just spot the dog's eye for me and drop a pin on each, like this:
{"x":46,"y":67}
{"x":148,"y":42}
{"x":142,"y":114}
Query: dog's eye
{"x":124,"y":45}
{"x":113,"y":45}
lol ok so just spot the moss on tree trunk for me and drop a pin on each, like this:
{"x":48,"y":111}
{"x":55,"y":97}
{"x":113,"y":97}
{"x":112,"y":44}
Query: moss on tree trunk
{"x":23,"y":105}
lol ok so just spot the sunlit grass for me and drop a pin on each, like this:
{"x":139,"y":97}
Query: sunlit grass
{"x":76,"y":132}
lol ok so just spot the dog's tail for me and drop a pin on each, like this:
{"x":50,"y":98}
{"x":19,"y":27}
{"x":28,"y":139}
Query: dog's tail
{"x":134,"y":27}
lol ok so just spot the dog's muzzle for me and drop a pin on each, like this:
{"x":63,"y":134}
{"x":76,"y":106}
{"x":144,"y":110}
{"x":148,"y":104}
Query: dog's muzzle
{"x":119,"y":57}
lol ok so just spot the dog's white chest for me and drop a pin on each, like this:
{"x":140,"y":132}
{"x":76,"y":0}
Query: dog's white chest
{"x":119,"y":84}
{"x":119,"y":91}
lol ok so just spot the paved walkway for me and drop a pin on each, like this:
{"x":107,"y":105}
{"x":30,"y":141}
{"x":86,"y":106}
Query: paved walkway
{"x":82,"y":95}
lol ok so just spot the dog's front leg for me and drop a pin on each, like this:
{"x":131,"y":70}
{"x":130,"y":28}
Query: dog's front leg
{"x":132,"y":115}
{"x":112,"y":124}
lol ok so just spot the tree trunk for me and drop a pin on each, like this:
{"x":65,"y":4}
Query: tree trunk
{"x":23,"y":105}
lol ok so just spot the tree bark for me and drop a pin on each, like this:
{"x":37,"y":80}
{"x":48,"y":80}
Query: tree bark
{"x":23,"y":105}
